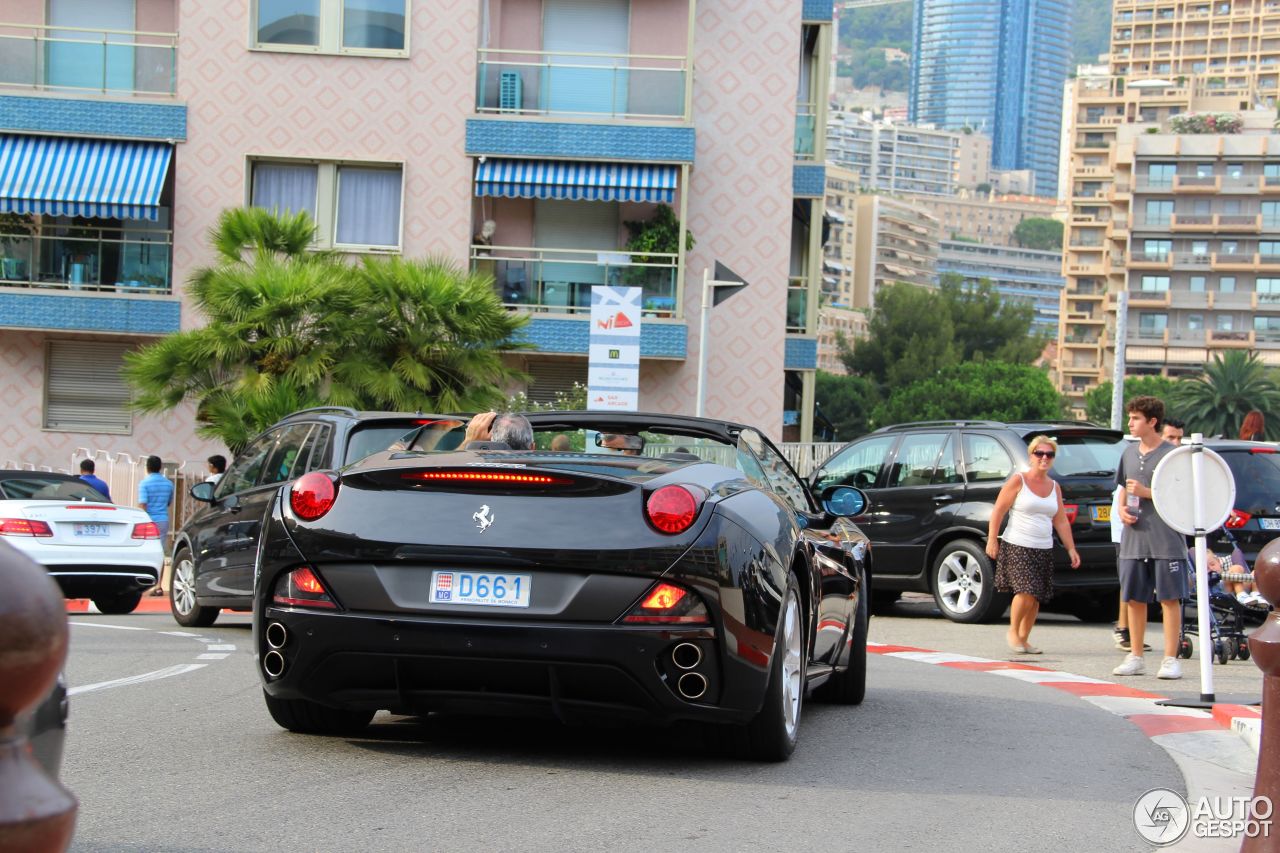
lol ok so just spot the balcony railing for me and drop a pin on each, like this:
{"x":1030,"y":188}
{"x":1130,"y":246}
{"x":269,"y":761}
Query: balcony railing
{"x":806,"y":128}
{"x":620,"y":86}
{"x":797,"y":305}
{"x":79,"y":59}
{"x":560,"y":280}
{"x":89,"y":259}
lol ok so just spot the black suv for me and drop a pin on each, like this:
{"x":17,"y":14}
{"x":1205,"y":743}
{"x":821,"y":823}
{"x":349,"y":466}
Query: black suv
{"x":932,"y":487}
{"x":214,"y":552}
{"x":1255,"y":520}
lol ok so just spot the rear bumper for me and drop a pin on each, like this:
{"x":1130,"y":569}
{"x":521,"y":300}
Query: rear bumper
{"x":570,"y":672}
{"x":83,"y":571}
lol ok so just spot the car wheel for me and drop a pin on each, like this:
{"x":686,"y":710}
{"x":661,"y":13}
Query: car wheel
{"x":964,"y":583}
{"x":312,"y":718}
{"x":182,"y":594}
{"x":125,"y":602}
{"x":771,"y":735}
{"x":849,"y":686}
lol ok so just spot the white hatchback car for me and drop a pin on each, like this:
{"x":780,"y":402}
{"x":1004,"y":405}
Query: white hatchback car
{"x":92,"y":548}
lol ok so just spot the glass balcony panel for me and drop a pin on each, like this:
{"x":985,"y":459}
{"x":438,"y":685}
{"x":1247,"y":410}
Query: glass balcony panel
{"x":580,"y":84}
{"x":114,"y":61}
{"x":806,"y":128}
{"x":560,"y":280}
{"x":121,"y":260}
{"x":797,"y":306}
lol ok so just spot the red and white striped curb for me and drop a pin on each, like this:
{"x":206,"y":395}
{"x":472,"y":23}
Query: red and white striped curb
{"x":1212,"y":736}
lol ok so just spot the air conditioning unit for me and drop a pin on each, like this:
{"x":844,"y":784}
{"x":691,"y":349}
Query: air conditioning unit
{"x":510,"y":92}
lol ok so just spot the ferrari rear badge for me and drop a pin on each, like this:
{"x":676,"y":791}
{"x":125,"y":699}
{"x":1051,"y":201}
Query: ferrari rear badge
{"x":482,"y":518}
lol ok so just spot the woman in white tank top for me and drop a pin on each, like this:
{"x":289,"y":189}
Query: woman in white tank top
{"x":1024,"y":554}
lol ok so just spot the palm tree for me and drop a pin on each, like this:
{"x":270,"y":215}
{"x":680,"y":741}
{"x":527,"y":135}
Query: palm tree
{"x":1216,"y":401}
{"x":290,"y":328}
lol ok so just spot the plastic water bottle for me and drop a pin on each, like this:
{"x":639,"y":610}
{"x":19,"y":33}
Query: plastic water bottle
{"x":1134,"y":504}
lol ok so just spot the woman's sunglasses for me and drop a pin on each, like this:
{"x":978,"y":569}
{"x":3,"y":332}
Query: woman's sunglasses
{"x":1044,"y":454}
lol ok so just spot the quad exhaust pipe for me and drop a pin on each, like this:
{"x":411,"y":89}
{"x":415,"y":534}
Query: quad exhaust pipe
{"x":273,"y":664}
{"x":277,"y":636}
{"x":692,"y":685}
{"x":686,"y":656}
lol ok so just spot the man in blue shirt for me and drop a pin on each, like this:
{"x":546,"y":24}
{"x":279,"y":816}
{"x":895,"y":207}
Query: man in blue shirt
{"x":86,"y":474}
{"x":154,"y":494}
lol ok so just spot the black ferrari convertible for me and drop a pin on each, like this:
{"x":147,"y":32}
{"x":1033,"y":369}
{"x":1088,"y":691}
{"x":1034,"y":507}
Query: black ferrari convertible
{"x":650,"y":567}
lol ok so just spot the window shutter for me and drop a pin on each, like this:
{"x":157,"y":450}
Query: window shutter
{"x":84,"y":389}
{"x":548,"y":378}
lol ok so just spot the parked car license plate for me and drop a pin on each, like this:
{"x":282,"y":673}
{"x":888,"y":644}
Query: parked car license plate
{"x":1269,"y":523}
{"x":1101,"y":513}
{"x":481,"y":588}
{"x":92,"y":530}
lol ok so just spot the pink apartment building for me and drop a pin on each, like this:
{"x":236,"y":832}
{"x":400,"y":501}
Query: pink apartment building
{"x":404,"y":126}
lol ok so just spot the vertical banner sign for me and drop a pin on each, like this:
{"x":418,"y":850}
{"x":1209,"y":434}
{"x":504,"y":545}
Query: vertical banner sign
{"x":613,"y":361}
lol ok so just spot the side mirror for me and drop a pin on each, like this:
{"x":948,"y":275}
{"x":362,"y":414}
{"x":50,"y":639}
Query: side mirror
{"x":845,"y":501}
{"x":203,"y":492}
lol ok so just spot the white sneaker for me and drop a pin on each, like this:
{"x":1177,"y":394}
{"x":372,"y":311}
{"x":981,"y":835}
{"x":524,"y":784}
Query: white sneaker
{"x":1132,"y":665}
{"x":1170,"y":668}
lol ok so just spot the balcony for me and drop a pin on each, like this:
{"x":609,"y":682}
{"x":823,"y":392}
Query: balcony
{"x":1193,"y":184}
{"x":86,"y":259}
{"x":639,"y":87}
{"x":78,"y":60}
{"x":1191,"y":261}
{"x":1229,"y":339}
{"x":1183,"y":222}
{"x":1149,"y":337}
{"x":1089,"y":268}
{"x":1233,"y":222}
{"x":1270,"y":184}
{"x":553,"y":280}
{"x":1234,"y":261}
{"x":797,"y":305}
{"x":1150,"y":261}
{"x":1149,"y":299}
{"x":806,"y":128}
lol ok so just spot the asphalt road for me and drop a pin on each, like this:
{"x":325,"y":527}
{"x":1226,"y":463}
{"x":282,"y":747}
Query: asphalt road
{"x":189,"y":760}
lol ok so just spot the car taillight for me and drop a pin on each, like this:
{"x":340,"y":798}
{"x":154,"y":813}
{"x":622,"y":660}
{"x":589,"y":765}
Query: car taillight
{"x":302,"y":588}
{"x":487,"y":477}
{"x":666,"y":603}
{"x":312,"y":495}
{"x":1262,"y":450}
{"x":1237,"y":519}
{"x":1072,"y":510}
{"x":24,"y":527}
{"x":672,"y":509}
{"x":146,"y":530}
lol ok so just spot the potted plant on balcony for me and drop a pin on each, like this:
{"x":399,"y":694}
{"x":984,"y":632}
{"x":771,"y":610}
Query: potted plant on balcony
{"x":659,"y":234}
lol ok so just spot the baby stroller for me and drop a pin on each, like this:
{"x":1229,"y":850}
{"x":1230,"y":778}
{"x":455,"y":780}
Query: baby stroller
{"x":1229,"y":617}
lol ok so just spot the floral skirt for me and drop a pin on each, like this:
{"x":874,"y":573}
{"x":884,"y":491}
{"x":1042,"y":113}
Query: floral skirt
{"x":1025,"y":570}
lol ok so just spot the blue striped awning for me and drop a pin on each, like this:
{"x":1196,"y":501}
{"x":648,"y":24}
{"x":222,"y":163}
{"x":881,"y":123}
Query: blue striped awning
{"x":577,"y":181}
{"x":101,"y":178}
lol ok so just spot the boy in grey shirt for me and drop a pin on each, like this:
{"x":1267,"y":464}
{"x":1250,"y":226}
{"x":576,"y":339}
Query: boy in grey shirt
{"x":1153,"y":556}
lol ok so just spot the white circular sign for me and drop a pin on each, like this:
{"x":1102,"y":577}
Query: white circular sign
{"x":1172,"y":489}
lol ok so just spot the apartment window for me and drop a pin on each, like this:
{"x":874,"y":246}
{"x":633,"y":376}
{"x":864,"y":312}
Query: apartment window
{"x":1197,"y":283}
{"x":1268,"y":289}
{"x":1271,"y":170}
{"x":1158,"y":211}
{"x":1152,"y":324}
{"x":1269,"y":326}
{"x":1271,"y":214}
{"x":1157,"y":249}
{"x":1204,"y":170}
{"x":356,"y":206}
{"x":1161,"y":174}
{"x":1227,"y":284}
{"x":83,"y":390}
{"x":1225,"y":323}
{"x":373,"y":27}
{"x":1195,"y":322}
{"x":1155,"y":283}
{"x":1230,"y":247}
{"x":1201,"y":207}
{"x":1269,"y":248}
{"x":1200,"y":247}
{"x":1235,"y":171}
{"x":1231,"y":207}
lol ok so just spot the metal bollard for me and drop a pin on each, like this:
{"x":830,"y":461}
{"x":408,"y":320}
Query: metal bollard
{"x":1264,"y":645}
{"x":36,"y":813}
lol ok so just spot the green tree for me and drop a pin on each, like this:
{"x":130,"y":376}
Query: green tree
{"x":908,"y":337}
{"x":988,"y":326}
{"x":982,"y":389}
{"x":290,"y":328}
{"x":1232,"y":385}
{"x":1035,"y":232}
{"x":846,"y":402}
{"x":1097,"y":400}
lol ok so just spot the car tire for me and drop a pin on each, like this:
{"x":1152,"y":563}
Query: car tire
{"x":771,"y":735}
{"x":312,"y":718}
{"x":849,"y":686}
{"x":115,"y":605}
{"x":964,"y":583}
{"x":182,"y":594}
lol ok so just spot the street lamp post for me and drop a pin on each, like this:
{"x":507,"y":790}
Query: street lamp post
{"x":729,"y":283}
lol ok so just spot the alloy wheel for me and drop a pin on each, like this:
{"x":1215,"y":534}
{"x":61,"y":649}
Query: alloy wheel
{"x":960,"y":581}
{"x":184,"y":586}
{"x":792,"y":676}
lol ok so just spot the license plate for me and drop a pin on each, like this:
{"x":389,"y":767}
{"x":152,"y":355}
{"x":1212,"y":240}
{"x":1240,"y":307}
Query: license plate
{"x":486,"y":589}
{"x":90,"y":531}
{"x":1269,"y":523}
{"x":1101,"y":513}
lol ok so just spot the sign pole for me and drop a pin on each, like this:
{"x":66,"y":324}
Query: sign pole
{"x":1202,"y":568}
{"x":704,"y":325}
